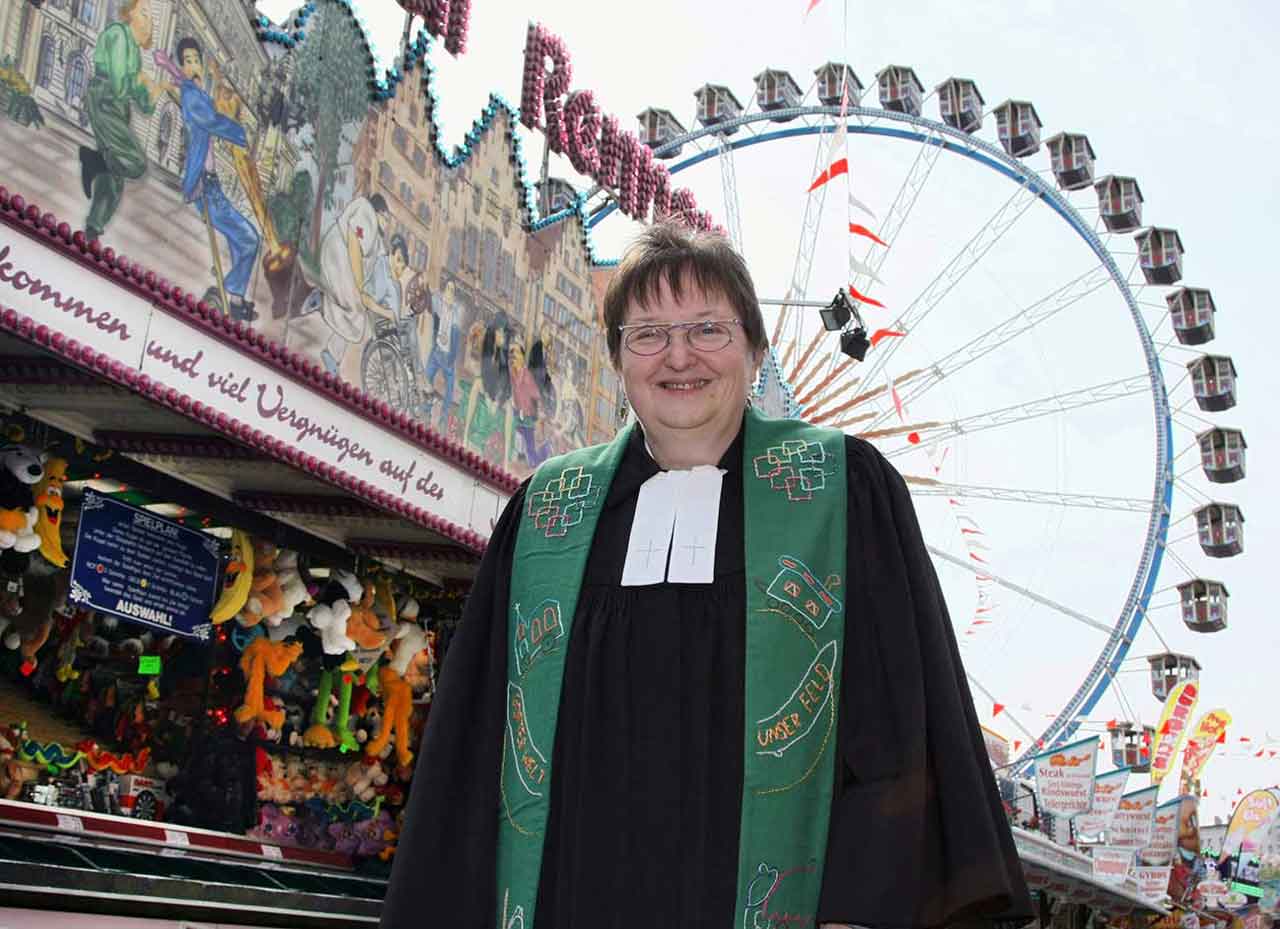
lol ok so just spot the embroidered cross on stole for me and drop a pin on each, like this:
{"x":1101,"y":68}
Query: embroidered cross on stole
{"x":794,"y":498}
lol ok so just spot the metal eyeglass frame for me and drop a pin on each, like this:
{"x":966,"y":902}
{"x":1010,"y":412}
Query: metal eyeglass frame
{"x":668,"y":328}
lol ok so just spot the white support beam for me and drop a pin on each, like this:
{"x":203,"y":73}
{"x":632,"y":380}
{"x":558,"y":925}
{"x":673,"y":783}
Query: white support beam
{"x":1045,"y":406}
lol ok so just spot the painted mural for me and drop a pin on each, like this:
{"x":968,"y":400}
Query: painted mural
{"x":266,"y":180}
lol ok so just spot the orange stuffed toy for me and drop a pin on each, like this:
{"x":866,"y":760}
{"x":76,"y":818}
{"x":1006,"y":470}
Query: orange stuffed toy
{"x":397,"y":694}
{"x":266,"y":594}
{"x":262,"y":657}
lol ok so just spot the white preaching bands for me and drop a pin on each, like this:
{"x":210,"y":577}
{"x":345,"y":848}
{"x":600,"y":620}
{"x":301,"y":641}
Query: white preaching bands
{"x":673,"y":536}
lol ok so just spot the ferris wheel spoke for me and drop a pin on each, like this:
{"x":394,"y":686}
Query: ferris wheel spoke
{"x":1020,"y":323}
{"x":729,"y":181}
{"x":1006,"y":712}
{"x":817,"y":416}
{"x":810,"y":225}
{"x":1019,"y":589}
{"x":895,"y":220}
{"x":1034,"y":409}
{"x":927,"y":486}
{"x":956,"y":269}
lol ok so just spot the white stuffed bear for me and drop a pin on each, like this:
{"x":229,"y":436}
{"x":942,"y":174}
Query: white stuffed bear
{"x":291,"y":585}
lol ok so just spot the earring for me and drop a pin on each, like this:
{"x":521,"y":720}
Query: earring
{"x":623,"y":410}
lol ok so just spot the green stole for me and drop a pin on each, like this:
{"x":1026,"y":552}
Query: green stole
{"x":794,"y":494}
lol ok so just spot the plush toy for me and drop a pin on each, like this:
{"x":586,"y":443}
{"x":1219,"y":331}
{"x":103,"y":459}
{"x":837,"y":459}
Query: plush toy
{"x":13,"y":772}
{"x":237,"y":577}
{"x":343,"y":835}
{"x":293,"y":589}
{"x":372,"y":834}
{"x":397,"y":696}
{"x":76,"y":634}
{"x":21,"y":468}
{"x":260,"y":658}
{"x":313,"y":826}
{"x":49,"y":504}
{"x":42,"y":596}
{"x":339,"y":614}
{"x":332,"y":610}
{"x":295,"y":779}
{"x":391,"y":835}
{"x":295,"y":720}
{"x":266,"y":596}
{"x":275,"y":826}
{"x":286,"y":628}
{"x":363,"y":779}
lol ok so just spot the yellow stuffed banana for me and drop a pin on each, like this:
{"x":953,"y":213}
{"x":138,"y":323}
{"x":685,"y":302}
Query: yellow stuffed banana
{"x":48,"y":497}
{"x":236,"y":578}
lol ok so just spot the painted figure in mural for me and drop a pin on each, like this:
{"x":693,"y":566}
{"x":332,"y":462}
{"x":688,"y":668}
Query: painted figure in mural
{"x":487,"y":425}
{"x":525,"y":403}
{"x":200,"y":184}
{"x":383,"y":290}
{"x":445,"y":342}
{"x":350,"y":251}
{"x":118,"y":86}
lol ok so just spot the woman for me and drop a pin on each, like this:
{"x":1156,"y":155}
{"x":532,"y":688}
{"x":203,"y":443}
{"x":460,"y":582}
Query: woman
{"x":487,"y":425}
{"x":705,"y":676}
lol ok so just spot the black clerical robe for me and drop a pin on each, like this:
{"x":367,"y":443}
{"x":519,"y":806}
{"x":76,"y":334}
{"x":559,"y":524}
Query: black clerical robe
{"x":647,"y":761}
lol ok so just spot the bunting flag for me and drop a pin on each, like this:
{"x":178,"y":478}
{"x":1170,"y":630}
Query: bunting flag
{"x":861,"y":267}
{"x":970,"y":532}
{"x":857,"y":204}
{"x":858,"y":229}
{"x":863,"y":298}
{"x":897,"y":399}
{"x":836,"y":153}
{"x":838,"y":167}
{"x":881,"y":334}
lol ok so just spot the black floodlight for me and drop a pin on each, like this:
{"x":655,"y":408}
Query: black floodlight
{"x":837,"y":314}
{"x":855,"y":343}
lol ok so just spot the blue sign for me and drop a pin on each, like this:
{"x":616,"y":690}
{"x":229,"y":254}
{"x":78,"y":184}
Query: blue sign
{"x":143,"y":568}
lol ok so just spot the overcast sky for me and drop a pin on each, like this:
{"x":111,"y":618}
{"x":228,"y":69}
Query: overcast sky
{"x":1171,"y":93}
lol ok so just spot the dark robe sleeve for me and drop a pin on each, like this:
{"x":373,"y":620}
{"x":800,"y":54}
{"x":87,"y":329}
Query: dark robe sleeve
{"x":445,"y":870}
{"x":918,"y":835}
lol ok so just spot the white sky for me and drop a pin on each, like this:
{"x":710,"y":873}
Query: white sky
{"x":1170,"y":93}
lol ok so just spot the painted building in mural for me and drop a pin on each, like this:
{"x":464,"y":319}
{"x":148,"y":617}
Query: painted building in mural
{"x":332,"y":225}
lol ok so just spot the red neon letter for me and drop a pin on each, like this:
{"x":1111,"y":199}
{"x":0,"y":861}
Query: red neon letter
{"x":540,"y":88}
{"x":582,"y":129}
{"x":444,"y":19}
{"x":684,"y":207}
{"x":636,"y":157}
{"x":661,"y":192}
{"x":610,"y":153}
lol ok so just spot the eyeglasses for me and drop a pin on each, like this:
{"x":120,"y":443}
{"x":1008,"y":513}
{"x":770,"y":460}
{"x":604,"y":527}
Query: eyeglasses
{"x":704,"y":335}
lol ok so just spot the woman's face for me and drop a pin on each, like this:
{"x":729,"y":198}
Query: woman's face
{"x":516,"y":360}
{"x":683,"y":392}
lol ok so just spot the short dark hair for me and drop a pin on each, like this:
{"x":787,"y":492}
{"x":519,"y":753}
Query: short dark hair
{"x":379,"y":203}
{"x":398,"y":245}
{"x":681,"y":255}
{"x":189,"y":43}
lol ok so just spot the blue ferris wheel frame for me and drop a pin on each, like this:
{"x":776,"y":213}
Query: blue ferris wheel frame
{"x":1138,"y":599}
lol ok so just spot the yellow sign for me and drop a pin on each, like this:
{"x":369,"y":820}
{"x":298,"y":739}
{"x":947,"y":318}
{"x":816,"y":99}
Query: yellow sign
{"x":1174,"y":723}
{"x":1204,"y":739}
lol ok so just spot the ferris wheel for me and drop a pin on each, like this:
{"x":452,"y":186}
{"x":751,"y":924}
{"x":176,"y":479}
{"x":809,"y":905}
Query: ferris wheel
{"x":1016,"y":341}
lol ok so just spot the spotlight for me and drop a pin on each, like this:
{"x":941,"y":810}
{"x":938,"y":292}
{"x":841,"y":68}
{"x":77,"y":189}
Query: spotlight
{"x":854,"y":343}
{"x":837,"y":314}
